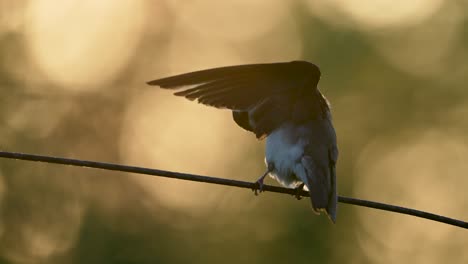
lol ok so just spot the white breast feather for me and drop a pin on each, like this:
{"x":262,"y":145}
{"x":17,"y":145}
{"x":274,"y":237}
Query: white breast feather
{"x":285,"y":149}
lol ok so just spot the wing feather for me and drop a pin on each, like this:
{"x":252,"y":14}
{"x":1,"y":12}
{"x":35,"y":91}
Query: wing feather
{"x":267,"y":92}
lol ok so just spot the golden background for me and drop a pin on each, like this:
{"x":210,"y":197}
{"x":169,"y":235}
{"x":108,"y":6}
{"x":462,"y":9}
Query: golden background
{"x":72,"y":84}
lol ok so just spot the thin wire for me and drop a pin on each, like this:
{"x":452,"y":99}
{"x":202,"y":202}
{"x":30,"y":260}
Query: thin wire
{"x":228,"y":182}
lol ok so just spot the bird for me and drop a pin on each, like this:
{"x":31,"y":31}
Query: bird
{"x":281,"y":103}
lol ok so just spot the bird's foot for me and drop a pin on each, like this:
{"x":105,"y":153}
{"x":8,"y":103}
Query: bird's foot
{"x":298,"y":191}
{"x":258,"y":187}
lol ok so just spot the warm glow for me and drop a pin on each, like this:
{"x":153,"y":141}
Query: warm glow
{"x":39,"y":116}
{"x":425,"y":172}
{"x":73,"y":84}
{"x":235,"y":21}
{"x":11,"y":15}
{"x":375,"y":14}
{"x":423,"y":50}
{"x":190,"y":52}
{"x":164,"y":131}
{"x":82,"y":44}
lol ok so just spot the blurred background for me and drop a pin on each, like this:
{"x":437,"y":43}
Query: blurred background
{"x":72,"y":84}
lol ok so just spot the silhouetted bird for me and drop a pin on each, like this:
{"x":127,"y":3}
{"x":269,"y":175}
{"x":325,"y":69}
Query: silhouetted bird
{"x":279,"y":101}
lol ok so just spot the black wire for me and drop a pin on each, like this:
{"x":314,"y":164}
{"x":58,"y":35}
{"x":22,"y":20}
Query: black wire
{"x":228,"y":182}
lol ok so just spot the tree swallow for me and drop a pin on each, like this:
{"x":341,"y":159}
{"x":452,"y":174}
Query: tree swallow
{"x":279,"y":102}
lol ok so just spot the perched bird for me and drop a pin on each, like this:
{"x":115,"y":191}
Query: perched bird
{"x":279,"y":102}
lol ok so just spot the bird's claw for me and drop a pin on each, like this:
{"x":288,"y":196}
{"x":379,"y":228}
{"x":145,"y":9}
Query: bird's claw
{"x":298,"y":191}
{"x":258,"y":187}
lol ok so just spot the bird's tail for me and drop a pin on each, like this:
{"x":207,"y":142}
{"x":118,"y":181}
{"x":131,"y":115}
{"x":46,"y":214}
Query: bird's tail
{"x":321,"y":182}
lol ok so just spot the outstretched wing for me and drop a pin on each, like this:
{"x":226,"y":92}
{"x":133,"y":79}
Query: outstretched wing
{"x":263,"y":96}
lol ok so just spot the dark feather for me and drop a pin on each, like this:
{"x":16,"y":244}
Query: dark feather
{"x":266,"y":95}
{"x":242,"y":119}
{"x":321,"y":182}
